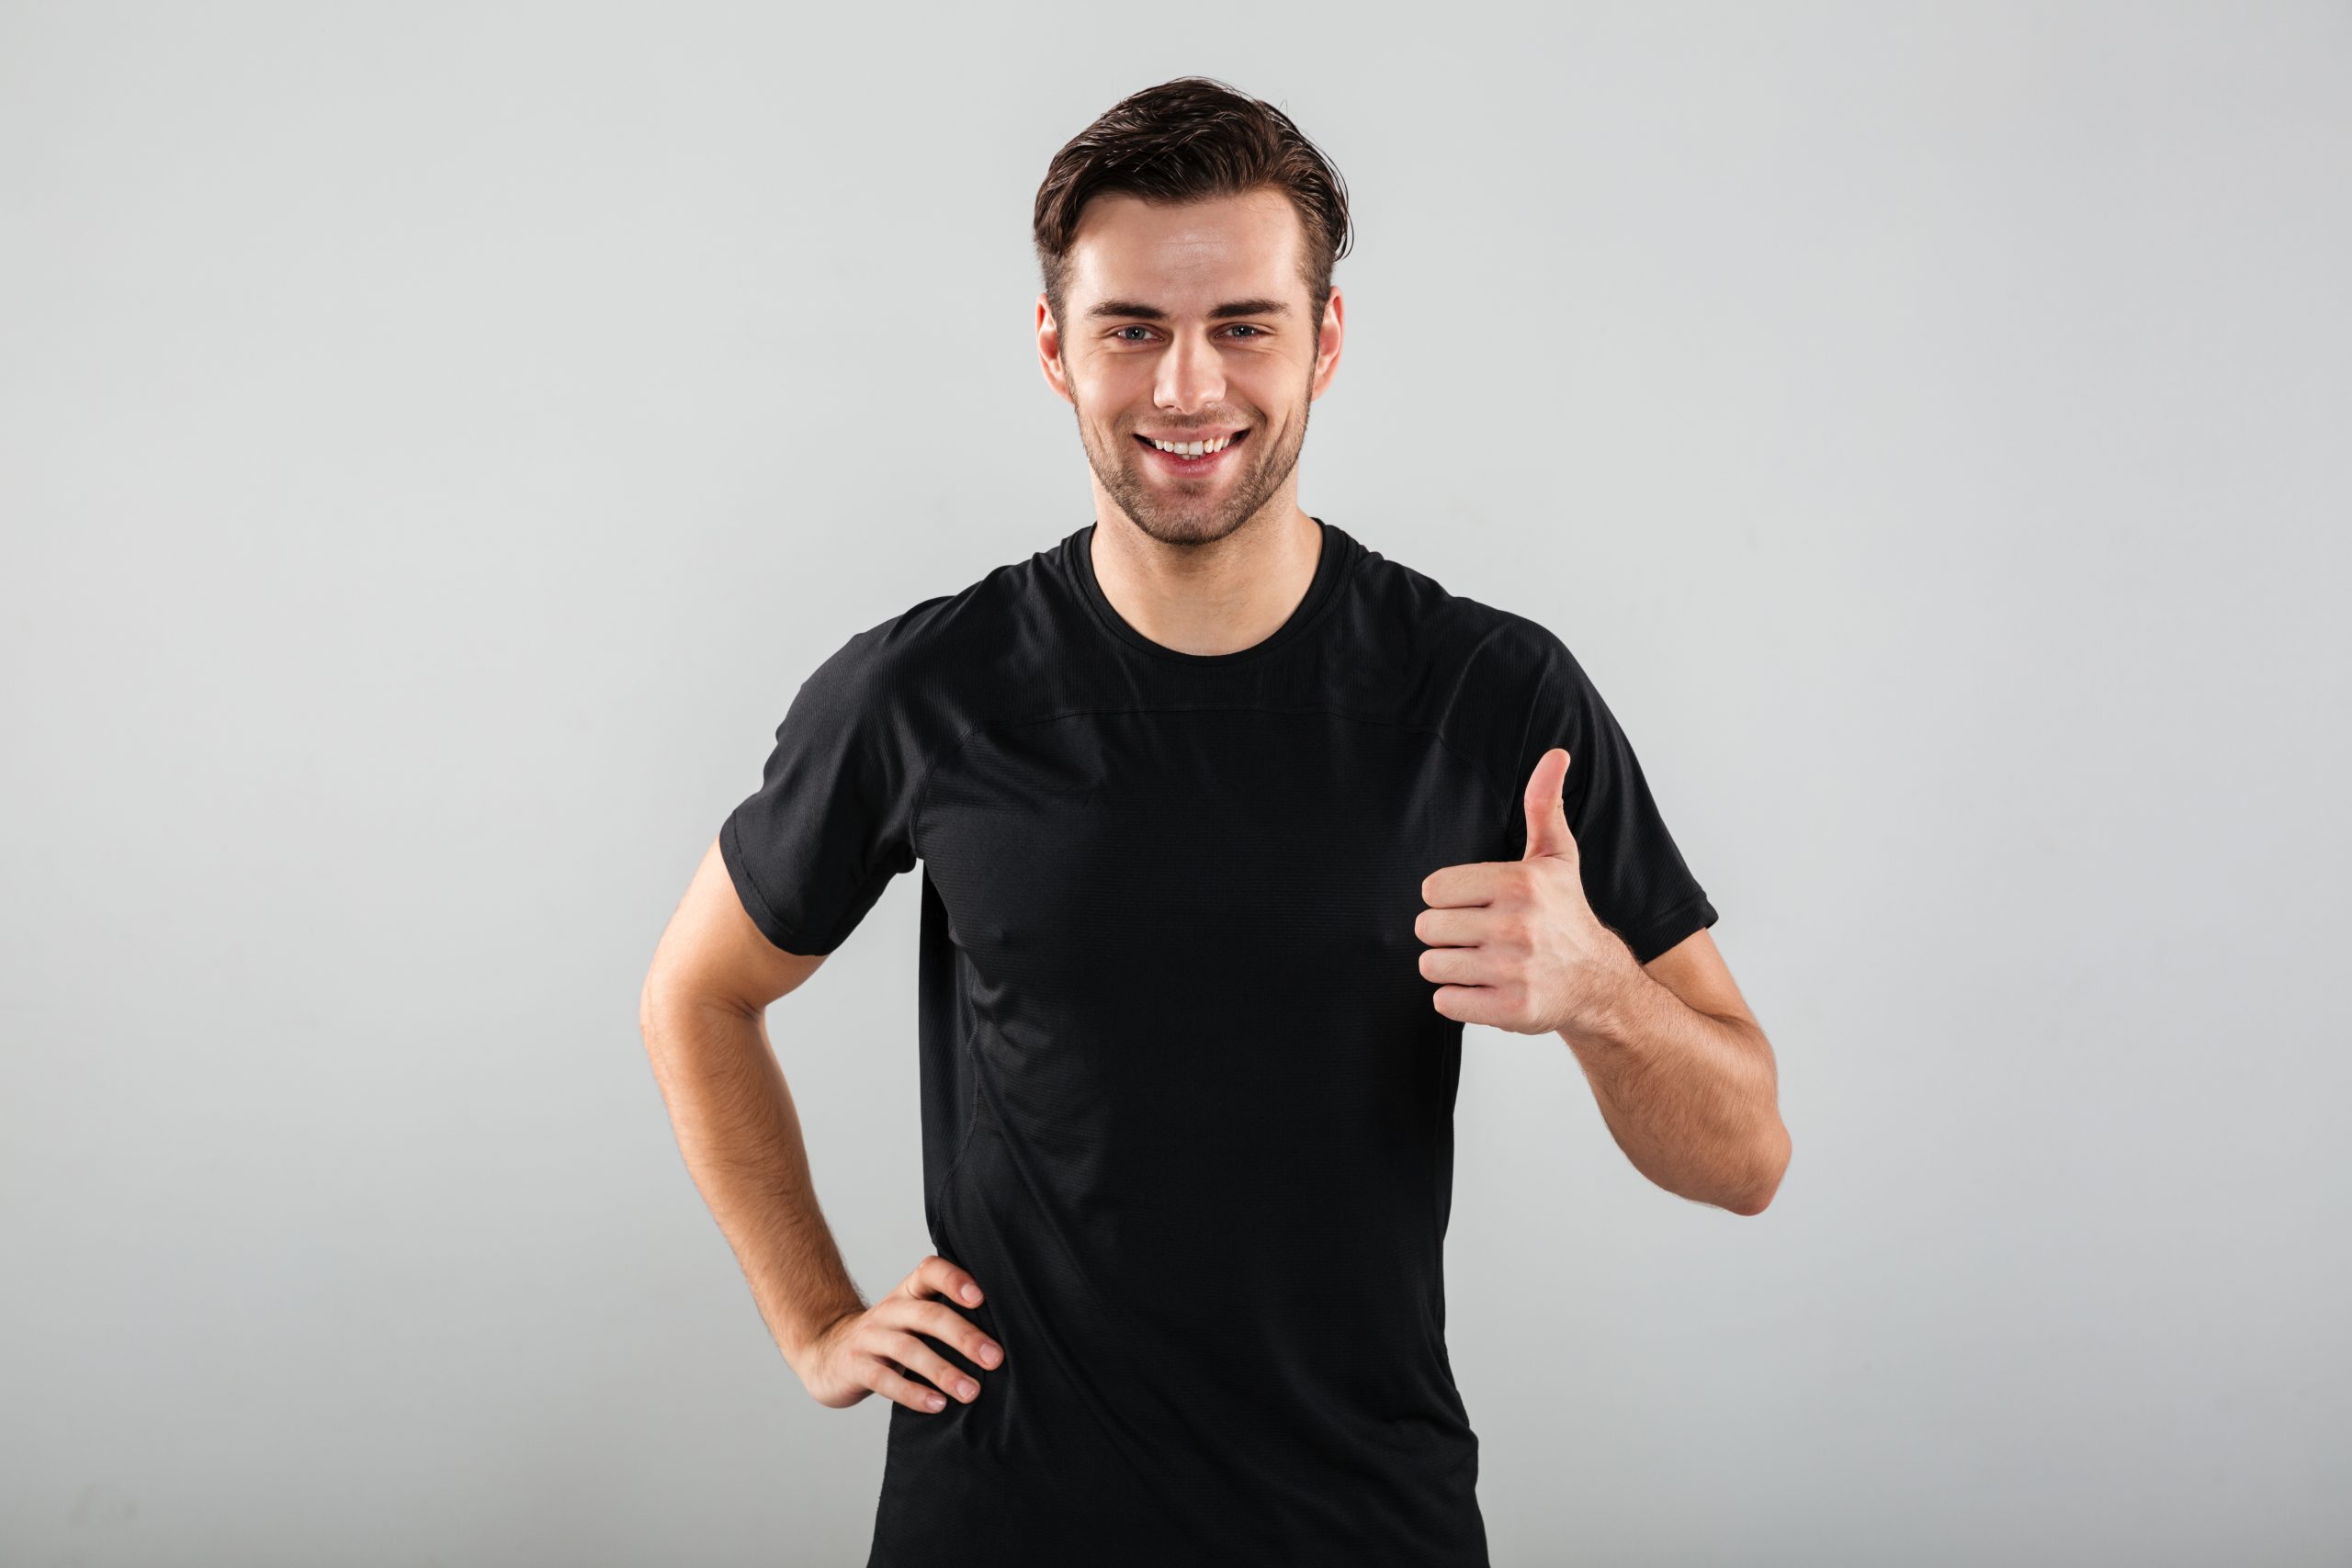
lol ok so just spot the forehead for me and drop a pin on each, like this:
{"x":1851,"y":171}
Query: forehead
{"x":1187,"y":255}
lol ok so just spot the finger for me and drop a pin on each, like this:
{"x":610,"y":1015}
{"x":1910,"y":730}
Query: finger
{"x":943,"y":1322}
{"x":947,"y":1280}
{"x":1547,"y":814}
{"x":915,"y":1355}
{"x":1458,"y":966}
{"x":1452,"y":927}
{"x":890,"y":1385}
{"x":1472,"y":1004}
{"x":1465,"y":886}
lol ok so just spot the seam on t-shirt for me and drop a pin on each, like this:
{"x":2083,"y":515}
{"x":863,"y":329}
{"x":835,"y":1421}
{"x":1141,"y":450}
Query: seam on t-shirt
{"x":1442,"y":1131}
{"x":732,"y":852}
{"x":930,"y":770}
{"x":1673,"y":914}
{"x":971,"y":1122}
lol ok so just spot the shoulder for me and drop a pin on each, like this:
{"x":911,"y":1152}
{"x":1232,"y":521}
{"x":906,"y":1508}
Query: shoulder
{"x":934,"y":666}
{"x":1496,"y":650}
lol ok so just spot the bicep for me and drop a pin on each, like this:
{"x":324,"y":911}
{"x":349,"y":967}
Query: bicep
{"x":713,"y":950}
{"x":1694,"y":970}
{"x":832,"y":821}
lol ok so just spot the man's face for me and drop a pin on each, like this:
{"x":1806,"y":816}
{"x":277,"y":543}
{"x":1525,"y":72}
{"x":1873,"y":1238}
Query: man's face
{"x":1190,"y":323}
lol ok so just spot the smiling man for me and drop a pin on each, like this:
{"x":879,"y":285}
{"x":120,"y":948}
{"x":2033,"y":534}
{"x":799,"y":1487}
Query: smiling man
{"x":1228,"y":824}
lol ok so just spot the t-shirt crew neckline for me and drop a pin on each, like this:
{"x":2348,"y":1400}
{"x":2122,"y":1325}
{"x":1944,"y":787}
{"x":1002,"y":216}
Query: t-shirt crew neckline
{"x":1329,"y":567}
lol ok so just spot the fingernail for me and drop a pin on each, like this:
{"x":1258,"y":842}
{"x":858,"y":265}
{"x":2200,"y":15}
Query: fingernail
{"x":937,"y":1401}
{"x":966,"y":1387}
{"x":971,"y":1292}
{"x":991,"y":1352}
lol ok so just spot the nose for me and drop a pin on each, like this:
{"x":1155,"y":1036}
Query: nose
{"x":1190,"y":376}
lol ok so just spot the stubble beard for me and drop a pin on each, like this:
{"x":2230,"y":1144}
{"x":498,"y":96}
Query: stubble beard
{"x":1179,"y":521}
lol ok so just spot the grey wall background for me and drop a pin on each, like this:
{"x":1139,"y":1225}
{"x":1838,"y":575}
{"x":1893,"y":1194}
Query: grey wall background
{"x":435,"y":441}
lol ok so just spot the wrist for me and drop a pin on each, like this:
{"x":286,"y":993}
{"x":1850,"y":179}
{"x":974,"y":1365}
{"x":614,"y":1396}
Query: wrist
{"x":1610,"y":1006}
{"x":812,"y":1331}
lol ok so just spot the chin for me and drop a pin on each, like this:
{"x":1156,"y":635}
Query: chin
{"x":1179,"y":530}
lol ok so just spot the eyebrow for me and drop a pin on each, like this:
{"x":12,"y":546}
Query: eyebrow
{"x":1138,"y":312}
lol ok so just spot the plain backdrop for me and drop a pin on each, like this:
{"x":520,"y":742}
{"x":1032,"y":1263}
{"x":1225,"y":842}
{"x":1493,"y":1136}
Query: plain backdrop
{"x":436,"y":441}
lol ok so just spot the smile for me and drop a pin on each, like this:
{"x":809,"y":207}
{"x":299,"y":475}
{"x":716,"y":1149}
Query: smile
{"x":1193,"y":457}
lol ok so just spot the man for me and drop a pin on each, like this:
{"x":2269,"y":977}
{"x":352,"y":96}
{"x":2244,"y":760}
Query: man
{"x":1227,"y":824}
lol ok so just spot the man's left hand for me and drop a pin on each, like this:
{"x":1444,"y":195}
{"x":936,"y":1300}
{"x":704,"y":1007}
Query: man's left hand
{"x":1514,"y":944}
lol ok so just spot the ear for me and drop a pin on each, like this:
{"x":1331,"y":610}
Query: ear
{"x":1327,"y":353}
{"x":1049,"y":351}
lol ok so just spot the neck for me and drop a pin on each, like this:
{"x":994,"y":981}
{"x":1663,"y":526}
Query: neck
{"x":1217,"y":597}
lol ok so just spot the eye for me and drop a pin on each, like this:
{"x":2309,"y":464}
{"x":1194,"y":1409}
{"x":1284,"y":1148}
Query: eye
{"x":1118,"y":335}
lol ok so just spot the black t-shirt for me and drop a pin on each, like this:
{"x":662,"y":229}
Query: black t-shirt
{"x":1187,"y":1107}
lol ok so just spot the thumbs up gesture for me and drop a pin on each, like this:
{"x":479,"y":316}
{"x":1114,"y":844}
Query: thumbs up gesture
{"x":1514,"y":944}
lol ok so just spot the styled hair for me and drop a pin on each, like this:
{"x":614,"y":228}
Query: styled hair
{"x":1185,"y":139}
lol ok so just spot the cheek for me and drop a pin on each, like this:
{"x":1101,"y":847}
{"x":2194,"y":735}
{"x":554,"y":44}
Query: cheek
{"x":1268,"y":395}
{"x":1101,"y":384}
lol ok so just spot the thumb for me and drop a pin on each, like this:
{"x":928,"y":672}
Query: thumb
{"x":1547,"y":815}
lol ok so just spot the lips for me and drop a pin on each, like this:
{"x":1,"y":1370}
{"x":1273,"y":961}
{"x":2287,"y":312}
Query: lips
{"x":1205,"y":463}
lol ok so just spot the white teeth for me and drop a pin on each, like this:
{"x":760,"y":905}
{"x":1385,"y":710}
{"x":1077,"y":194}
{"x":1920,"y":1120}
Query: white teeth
{"x":1195,"y":448}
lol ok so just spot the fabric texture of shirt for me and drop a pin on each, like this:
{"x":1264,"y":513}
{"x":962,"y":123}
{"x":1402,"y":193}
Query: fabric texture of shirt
{"x":1187,"y":1106}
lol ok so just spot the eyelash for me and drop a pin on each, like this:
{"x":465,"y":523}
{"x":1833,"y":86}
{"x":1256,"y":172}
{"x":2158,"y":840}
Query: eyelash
{"x":1244,"y":327}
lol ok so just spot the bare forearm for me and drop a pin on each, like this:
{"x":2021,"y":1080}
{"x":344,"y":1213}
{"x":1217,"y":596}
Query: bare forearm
{"x":1691,"y":1098}
{"x":740,"y":1136}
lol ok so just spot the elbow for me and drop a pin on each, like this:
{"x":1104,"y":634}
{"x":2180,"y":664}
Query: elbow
{"x":651,"y":998}
{"x":660,"y":1007}
{"x":1760,"y":1193}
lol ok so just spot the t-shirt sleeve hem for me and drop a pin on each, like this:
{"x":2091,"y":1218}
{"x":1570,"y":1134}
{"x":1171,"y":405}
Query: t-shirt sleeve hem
{"x":755,"y":904}
{"x":1658,"y":932}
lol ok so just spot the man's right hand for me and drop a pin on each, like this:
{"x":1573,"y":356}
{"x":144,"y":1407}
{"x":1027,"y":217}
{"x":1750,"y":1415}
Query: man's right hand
{"x":870,"y":1351}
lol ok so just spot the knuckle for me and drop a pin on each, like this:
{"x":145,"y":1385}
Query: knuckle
{"x":948,"y":1327}
{"x":911,"y":1394}
{"x":947,"y":1377}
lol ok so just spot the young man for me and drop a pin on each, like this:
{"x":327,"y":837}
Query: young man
{"x":1228,"y":823}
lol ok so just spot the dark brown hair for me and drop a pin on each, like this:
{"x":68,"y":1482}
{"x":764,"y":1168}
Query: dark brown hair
{"x":1183,"y":141}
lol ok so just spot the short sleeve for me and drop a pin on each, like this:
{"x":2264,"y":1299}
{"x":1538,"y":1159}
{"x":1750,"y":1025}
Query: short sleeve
{"x":813,"y":848}
{"x":1635,"y":877}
